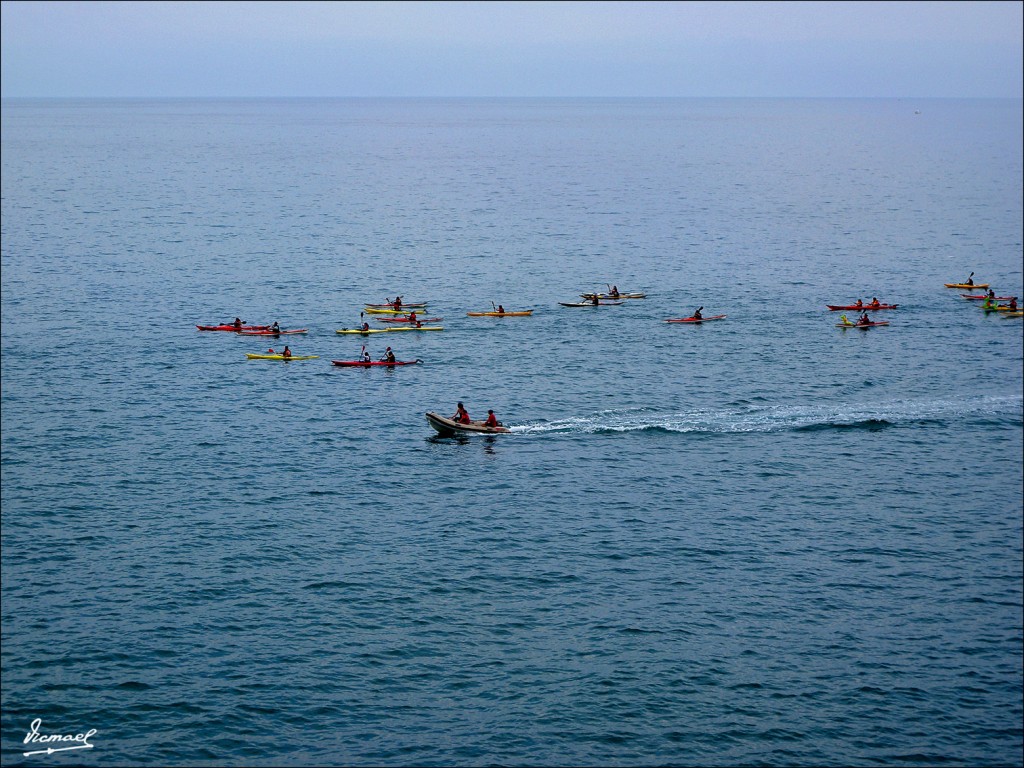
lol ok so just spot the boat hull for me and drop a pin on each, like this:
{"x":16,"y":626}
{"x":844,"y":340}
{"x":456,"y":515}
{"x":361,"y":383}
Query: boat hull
{"x":525,"y":313}
{"x":372,"y":363}
{"x":696,"y":320}
{"x":252,"y":356}
{"x":862,"y":308}
{"x":274,"y":333}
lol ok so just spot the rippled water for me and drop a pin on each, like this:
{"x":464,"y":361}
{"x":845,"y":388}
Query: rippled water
{"x":765,"y":540}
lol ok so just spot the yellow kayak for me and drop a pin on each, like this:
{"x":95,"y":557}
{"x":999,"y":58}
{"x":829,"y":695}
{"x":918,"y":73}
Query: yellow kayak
{"x":252,"y":356}
{"x":966,"y":285}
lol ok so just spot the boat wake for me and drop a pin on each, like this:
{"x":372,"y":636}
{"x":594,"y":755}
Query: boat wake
{"x":790,"y":418}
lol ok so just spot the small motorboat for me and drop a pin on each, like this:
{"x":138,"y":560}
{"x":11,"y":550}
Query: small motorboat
{"x":448,"y":428}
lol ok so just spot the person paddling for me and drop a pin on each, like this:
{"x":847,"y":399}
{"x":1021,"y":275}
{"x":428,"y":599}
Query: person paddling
{"x":969,"y":280}
{"x":389,"y":356}
{"x":697,"y":315}
{"x":287,"y":352}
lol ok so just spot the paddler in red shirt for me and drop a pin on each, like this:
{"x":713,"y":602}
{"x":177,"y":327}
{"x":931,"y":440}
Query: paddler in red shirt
{"x":461,"y":416}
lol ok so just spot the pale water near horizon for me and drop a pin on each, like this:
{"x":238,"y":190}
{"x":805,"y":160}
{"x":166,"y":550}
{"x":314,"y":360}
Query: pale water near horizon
{"x":759,"y":541}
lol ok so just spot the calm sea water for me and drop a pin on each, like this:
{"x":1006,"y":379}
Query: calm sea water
{"x":762,"y":541}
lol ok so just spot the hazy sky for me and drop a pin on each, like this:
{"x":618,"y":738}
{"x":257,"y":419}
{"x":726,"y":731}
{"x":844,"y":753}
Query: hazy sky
{"x":638,"y":48}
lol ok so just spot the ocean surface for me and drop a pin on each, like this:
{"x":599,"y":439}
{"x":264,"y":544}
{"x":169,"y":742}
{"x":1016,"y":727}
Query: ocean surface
{"x":760,"y":541}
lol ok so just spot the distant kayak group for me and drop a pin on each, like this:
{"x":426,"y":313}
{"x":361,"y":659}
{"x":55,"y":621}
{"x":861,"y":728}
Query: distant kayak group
{"x":989,"y":300}
{"x":399,"y":315}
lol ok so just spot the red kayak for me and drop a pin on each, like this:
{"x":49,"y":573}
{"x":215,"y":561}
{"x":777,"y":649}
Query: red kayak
{"x":231,"y":327}
{"x":862,"y":325}
{"x":364,"y":364}
{"x":696,"y":319}
{"x":269,"y":332}
{"x":983,"y":296}
{"x":862,"y":308}
{"x":406,"y":319}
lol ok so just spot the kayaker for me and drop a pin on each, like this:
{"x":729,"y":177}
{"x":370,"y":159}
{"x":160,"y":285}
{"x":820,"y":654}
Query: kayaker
{"x":615,"y":291}
{"x":697,"y":315}
{"x":875,"y":303}
{"x":491,"y":420}
{"x":412,"y":316}
{"x":1013,"y":304}
{"x":275,"y":328}
{"x":238,"y":324}
{"x":864,"y":319}
{"x":389,"y":356}
{"x":859,"y":304}
{"x":501,"y":310}
{"x":461,"y":416}
{"x":398,"y":302}
{"x":845,"y":320}
{"x":991,"y":293}
{"x":989,"y":303}
{"x":366,"y":327}
{"x":594,"y":300}
{"x":287,"y":352}
{"x":366,"y":357}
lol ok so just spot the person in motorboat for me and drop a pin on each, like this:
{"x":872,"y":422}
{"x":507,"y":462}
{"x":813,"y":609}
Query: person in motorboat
{"x":389,"y":356}
{"x":461,"y":415}
{"x":697,"y":315}
{"x":287,"y":352}
{"x":491,"y":420}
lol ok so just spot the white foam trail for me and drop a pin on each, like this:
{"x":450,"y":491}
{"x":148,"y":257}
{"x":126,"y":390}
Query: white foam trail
{"x":779,"y":417}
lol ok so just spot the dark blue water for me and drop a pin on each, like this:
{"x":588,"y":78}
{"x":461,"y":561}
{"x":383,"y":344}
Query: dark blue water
{"x":761,"y":541}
